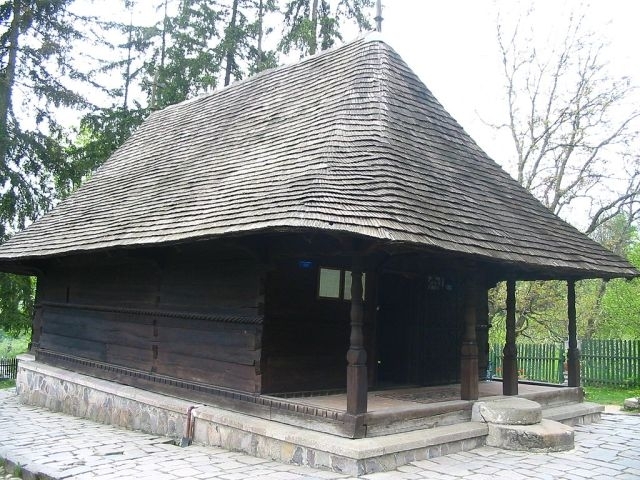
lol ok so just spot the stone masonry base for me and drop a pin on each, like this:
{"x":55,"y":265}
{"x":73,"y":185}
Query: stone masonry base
{"x":108,"y":402}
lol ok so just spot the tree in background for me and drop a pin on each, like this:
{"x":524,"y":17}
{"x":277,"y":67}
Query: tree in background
{"x":575,"y":131}
{"x":620,"y":305}
{"x":572,"y":129}
{"x":312,"y":25}
{"x":37,"y":77}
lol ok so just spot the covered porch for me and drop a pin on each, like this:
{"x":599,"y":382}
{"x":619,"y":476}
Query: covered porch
{"x":412,"y":323}
{"x":397,"y":410}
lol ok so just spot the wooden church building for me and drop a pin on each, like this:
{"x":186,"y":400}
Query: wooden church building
{"x":321,"y":227}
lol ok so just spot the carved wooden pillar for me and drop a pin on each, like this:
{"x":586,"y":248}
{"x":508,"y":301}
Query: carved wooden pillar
{"x":357,"y":355}
{"x":573,"y":354}
{"x":469,"y":353}
{"x":510,"y":351}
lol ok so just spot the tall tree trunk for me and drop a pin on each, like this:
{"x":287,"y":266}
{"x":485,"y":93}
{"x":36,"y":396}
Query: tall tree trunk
{"x":313,"y":46}
{"x":163,"y":53}
{"x":260,"y":34}
{"x":8,"y":79}
{"x":127,"y":78}
{"x":232,"y":42}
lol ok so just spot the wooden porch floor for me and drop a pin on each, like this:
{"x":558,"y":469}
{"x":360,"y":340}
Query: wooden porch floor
{"x":427,"y":398}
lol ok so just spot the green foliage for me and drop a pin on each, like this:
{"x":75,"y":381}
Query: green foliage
{"x":604,"y":309}
{"x":184,"y":62}
{"x":310,"y":24}
{"x":7,"y":383}
{"x":36,"y":74}
{"x":12,"y":344}
{"x":36,"y":67}
{"x":541,"y":312}
{"x":101,"y":133}
{"x":621,"y":304}
{"x":16,"y":303}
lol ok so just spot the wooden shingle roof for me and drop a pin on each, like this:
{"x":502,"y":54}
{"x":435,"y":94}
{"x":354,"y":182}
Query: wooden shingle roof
{"x":349,"y":140}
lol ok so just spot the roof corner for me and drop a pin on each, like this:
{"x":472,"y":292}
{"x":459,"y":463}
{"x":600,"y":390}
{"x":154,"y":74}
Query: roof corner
{"x":375,"y":36}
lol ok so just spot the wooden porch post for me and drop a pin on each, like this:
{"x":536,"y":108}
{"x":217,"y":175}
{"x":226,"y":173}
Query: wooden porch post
{"x":357,"y":355}
{"x":510,"y":351}
{"x":573,"y":354}
{"x":469,"y":353}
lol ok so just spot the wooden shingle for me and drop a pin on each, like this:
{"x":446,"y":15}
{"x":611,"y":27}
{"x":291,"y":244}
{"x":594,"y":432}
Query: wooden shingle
{"x":349,"y":140}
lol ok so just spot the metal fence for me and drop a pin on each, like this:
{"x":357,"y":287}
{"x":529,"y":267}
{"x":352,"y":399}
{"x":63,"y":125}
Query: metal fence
{"x":8,"y":368}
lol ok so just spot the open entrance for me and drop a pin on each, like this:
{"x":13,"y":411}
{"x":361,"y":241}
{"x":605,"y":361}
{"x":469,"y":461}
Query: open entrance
{"x":419,"y":330}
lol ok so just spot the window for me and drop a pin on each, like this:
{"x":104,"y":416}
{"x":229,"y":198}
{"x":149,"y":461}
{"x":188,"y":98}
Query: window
{"x":330,"y":280}
{"x":336,"y":284}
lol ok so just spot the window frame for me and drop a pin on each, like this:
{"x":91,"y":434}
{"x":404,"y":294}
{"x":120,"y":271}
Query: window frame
{"x":341,"y":284}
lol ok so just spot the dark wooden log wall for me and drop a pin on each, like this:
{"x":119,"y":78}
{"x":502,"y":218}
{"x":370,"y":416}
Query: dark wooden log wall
{"x":191,"y":314}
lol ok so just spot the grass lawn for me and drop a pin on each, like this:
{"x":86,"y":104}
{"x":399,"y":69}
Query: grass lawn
{"x":7,"y":383}
{"x":610,"y":395}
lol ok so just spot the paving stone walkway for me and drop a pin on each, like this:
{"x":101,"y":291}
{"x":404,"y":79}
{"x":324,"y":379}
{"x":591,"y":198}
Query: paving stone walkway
{"x":58,"y":446}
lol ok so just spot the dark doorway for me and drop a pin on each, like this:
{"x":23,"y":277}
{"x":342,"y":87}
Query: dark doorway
{"x":419,"y":330}
{"x":397,"y":306}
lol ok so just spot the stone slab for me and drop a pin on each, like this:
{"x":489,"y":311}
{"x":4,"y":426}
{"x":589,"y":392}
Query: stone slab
{"x":546,"y":436}
{"x":574,"y":414}
{"x":632,"y":403}
{"x":507,"y":411}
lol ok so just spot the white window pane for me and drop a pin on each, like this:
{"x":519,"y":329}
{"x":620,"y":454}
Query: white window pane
{"x":329,"y":283}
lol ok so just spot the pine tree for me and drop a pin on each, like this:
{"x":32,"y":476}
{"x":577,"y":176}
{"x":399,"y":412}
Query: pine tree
{"x":241,"y":47}
{"x":103,"y":130}
{"x":36,"y":74}
{"x":310,"y":24}
{"x":34,"y":67}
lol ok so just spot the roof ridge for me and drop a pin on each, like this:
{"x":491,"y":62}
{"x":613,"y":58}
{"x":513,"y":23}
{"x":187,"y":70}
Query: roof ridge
{"x":369,"y":36}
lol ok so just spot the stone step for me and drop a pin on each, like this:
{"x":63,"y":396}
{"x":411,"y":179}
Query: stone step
{"x":546,"y":436}
{"x":574,"y":413}
{"x":289,"y":444}
{"x":560,"y":396}
{"x":507,"y":411}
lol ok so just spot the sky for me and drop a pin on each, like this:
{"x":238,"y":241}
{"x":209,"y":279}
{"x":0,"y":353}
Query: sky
{"x":452,"y":46}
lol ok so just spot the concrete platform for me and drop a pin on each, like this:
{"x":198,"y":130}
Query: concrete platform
{"x":404,"y":429}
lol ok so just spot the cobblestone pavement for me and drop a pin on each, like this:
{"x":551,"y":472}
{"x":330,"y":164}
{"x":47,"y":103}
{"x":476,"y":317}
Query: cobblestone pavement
{"x":59,"y":446}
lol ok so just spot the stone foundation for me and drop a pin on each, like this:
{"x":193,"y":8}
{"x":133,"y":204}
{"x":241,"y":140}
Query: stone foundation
{"x":99,"y":400}
{"x":108,"y":402}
